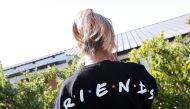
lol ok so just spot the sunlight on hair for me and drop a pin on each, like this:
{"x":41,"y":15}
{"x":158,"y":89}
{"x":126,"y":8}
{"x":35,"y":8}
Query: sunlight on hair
{"x":93,"y":32}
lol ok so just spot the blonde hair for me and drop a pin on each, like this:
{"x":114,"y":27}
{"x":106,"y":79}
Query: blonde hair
{"x":93,"y":32}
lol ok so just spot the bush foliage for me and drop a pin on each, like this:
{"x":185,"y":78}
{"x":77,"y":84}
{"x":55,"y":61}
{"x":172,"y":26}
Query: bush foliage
{"x":188,"y":21}
{"x":169,"y":63}
{"x":34,"y":92}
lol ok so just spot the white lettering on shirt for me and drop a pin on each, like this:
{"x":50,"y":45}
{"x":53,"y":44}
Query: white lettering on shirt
{"x":151,"y":93}
{"x":101,"y":90}
{"x":81,"y":95}
{"x":142,"y":88}
{"x":125,"y":87}
{"x":67,"y":103}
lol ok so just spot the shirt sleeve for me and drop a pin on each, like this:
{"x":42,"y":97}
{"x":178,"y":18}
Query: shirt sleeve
{"x":64,"y":95}
{"x":152,"y":89}
{"x":152,"y":81}
{"x":62,"y":92}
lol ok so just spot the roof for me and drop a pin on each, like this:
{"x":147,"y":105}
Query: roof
{"x":134,"y":38}
{"x":124,"y":41}
{"x":40,"y":63}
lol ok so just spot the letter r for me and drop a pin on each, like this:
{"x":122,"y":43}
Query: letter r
{"x":67,"y":103}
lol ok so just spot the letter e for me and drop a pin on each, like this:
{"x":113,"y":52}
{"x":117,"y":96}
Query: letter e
{"x":101,"y":90}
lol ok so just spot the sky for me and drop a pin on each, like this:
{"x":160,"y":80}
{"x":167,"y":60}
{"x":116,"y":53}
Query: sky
{"x":31,"y":29}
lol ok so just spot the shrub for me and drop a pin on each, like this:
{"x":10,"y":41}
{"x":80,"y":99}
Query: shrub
{"x":34,"y":92}
{"x":6,"y":91}
{"x":169,"y":63}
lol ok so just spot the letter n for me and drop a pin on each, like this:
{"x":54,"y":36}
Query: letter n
{"x":125,"y":87}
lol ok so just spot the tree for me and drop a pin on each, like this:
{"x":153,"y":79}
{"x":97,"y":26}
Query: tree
{"x":6,"y":91}
{"x":169,"y":63}
{"x":34,"y":92}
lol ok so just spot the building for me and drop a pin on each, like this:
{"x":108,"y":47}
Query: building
{"x":124,"y":41}
{"x":60,"y":60}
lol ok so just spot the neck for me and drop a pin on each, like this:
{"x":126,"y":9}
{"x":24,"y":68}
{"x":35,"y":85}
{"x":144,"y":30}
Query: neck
{"x":99,"y":56}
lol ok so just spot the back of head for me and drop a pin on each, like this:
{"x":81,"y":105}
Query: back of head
{"x":93,"y":32}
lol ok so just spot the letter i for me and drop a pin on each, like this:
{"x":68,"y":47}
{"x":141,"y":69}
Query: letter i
{"x":81,"y":95}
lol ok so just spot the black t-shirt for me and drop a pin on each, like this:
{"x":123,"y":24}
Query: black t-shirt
{"x":108,"y":85}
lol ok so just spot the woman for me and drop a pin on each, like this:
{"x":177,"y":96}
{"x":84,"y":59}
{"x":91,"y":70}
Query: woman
{"x":104,"y":82}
